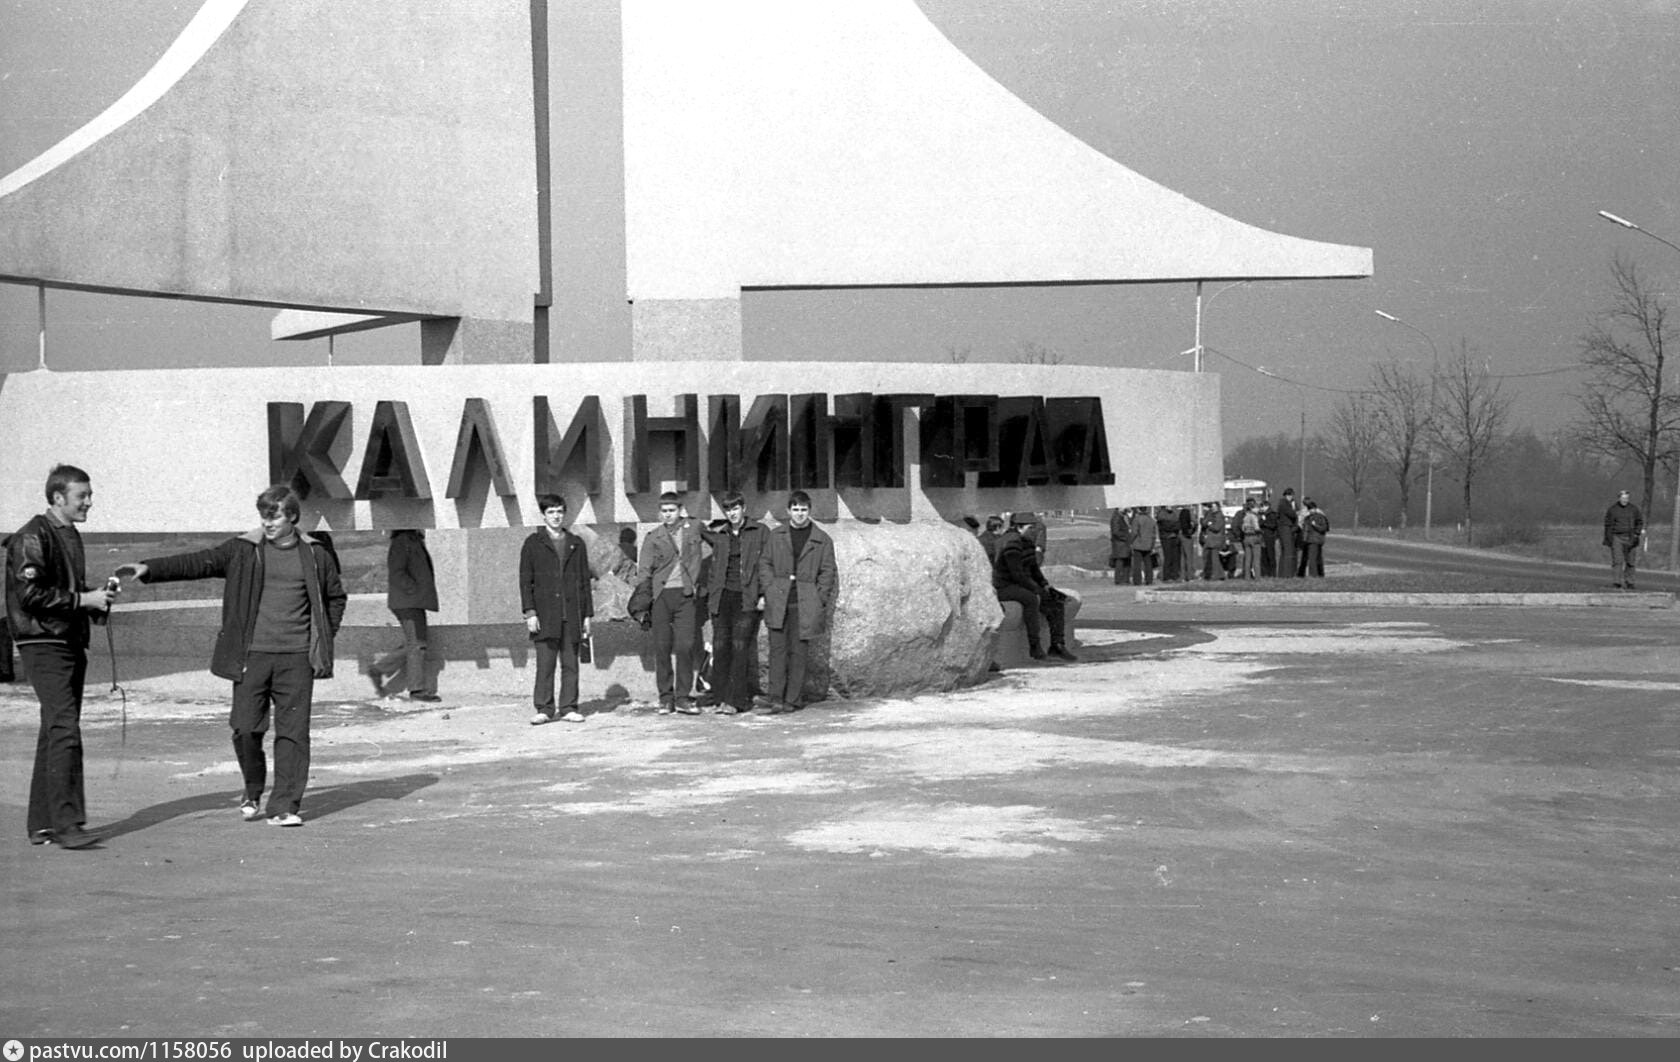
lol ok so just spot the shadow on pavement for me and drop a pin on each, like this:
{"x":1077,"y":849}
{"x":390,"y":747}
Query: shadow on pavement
{"x":318,"y":802}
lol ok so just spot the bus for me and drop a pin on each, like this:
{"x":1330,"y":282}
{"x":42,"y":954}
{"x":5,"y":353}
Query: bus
{"x":1238,"y":491}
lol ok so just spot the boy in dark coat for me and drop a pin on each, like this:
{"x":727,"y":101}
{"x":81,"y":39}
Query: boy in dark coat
{"x":555,"y":597}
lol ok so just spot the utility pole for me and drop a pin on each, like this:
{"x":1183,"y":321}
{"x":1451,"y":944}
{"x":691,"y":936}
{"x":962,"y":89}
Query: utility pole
{"x":1303,"y":446}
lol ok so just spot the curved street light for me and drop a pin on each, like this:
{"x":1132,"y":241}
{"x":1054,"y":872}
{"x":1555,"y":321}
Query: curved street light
{"x":1199,"y":303}
{"x":1429,"y":450}
{"x":1674,"y":525}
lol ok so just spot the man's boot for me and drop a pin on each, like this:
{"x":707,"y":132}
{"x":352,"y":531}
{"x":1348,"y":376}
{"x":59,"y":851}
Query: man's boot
{"x":1059,"y":651}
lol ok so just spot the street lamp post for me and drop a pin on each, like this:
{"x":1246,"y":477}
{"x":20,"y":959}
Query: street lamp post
{"x":1674,"y":524}
{"x":1199,"y":302}
{"x":1429,"y":449}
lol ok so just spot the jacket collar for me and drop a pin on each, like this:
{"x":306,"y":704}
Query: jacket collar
{"x":255,"y":538}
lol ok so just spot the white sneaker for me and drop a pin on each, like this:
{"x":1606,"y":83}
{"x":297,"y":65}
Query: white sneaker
{"x":572,"y":717}
{"x":248,"y":810}
{"x":290,"y":818}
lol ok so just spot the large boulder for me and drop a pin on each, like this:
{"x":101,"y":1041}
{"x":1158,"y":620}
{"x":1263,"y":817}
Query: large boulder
{"x":915,"y":612}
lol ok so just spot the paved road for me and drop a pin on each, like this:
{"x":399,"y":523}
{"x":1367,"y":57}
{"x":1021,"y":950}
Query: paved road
{"x":1222,"y":822}
{"x":1403,"y":556}
{"x":1436,"y":559}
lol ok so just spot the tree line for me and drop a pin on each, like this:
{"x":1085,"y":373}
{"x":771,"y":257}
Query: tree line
{"x":1383,"y":447}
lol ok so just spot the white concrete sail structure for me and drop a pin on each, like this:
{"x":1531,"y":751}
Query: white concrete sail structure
{"x":373,"y":157}
{"x":802,"y":143}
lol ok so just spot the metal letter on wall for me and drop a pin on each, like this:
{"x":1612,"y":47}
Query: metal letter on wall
{"x":764,"y":443}
{"x":959,"y":435}
{"x":585,"y":440}
{"x":852,"y":432}
{"x":1078,"y":440}
{"x":478,"y":435}
{"x":300,"y":451}
{"x":1024,"y":457}
{"x":680,"y":434}
{"x":723,"y":444}
{"x":808,"y":441}
{"x":890,"y":455}
{"x":392,"y":465}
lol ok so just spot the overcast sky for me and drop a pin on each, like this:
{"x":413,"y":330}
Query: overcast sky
{"x":1470,"y":144}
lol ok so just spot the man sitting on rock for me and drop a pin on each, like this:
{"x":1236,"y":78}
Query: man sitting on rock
{"x":1017,"y":577}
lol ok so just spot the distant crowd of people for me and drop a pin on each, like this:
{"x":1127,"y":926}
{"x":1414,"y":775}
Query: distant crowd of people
{"x":1186,"y":542}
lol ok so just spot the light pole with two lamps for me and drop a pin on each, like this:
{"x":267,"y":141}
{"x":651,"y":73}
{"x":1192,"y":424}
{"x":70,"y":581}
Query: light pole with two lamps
{"x":1429,"y":449}
{"x":1674,"y":526}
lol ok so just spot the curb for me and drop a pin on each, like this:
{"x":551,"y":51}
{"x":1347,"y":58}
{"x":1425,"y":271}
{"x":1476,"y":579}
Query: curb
{"x":1647,"y":600}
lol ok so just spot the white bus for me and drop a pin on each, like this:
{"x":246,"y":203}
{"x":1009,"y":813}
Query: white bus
{"x":1238,"y":491}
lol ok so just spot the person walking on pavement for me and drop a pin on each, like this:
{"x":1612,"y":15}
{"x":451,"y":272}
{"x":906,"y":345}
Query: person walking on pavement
{"x":282,"y":602}
{"x":50,"y":610}
{"x":410,"y":593}
{"x":1624,"y":526}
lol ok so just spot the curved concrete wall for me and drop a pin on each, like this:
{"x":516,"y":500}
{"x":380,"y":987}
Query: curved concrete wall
{"x":188,"y":450}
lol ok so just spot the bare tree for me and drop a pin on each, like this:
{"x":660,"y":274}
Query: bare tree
{"x":1032,"y":353}
{"x":1351,"y":446}
{"x":1471,"y":420}
{"x":1631,"y":411}
{"x":1401,"y":406}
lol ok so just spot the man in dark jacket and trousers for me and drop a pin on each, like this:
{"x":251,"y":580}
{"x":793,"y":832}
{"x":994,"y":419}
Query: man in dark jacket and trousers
{"x":1017,"y":577}
{"x":798,"y":577}
{"x":1289,"y":535}
{"x":555,"y":596}
{"x":50,"y":609}
{"x":734,"y":600}
{"x":1623,"y":526}
{"x":673,"y":563}
{"x":282,"y":603}
{"x":1315,"y":527}
{"x":410,"y":593}
{"x":1119,"y":547}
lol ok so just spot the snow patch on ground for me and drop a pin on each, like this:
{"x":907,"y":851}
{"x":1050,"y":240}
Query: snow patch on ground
{"x":1353,"y":638}
{"x":963,"y":830}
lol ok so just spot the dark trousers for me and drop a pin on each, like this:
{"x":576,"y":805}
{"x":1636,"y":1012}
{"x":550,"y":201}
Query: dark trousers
{"x":788,"y":655}
{"x":408,"y":660}
{"x":1312,"y":559}
{"x":1143,"y":570}
{"x":675,"y":624}
{"x":734,"y":651}
{"x":284,"y":684}
{"x":1288,"y":556}
{"x":1303,"y":555}
{"x":6,"y":672}
{"x":1122,"y":570}
{"x":1210,"y":560}
{"x":57,"y":672}
{"x":1268,"y":554}
{"x":561,"y":649}
{"x":1624,"y":554}
{"x":1034,"y":606}
{"x":1169,"y":559}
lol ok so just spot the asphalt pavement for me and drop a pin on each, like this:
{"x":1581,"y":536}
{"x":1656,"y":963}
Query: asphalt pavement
{"x":1221,"y":822}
